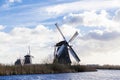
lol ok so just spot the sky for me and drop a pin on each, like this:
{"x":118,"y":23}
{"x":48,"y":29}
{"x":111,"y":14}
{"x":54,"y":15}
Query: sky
{"x":31,"y":23}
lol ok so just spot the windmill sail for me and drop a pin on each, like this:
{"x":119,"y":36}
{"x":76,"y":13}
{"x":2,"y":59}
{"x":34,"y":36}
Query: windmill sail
{"x":60,"y":50}
{"x":74,"y":54}
{"x":73,"y":37}
{"x":60,"y":31}
{"x":29,"y":50}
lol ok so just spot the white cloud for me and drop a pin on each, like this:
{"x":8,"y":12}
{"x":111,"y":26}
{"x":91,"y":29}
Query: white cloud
{"x":117,"y":16}
{"x":12,"y":1}
{"x":83,"y":5}
{"x":33,"y":13}
{"x":101,"y":35}
{"x":93,"y":19}
{"x":101,"y":40}
{"x":9,"y":3}
{"x":2,"y":27}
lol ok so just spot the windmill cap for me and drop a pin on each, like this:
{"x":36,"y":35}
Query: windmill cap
{"x":61,"y":43}
{"x":27,"y":56}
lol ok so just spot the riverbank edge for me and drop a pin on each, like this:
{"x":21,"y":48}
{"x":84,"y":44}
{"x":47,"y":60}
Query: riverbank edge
{"x":43,"y":69}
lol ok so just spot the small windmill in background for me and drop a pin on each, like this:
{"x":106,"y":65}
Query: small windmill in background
{"x":28,"y":57}
{"x":18,"y":61}
{"x":62,"y":49}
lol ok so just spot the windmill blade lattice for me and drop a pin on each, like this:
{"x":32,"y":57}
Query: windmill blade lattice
{"x":74,"y":54}
{"x":73,"y":37}
{"x":60,"y":32}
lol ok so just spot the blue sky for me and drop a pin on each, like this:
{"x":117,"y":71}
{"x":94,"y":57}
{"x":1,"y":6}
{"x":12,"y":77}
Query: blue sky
{"x":24,"y":23}
{"x":30,"y":13}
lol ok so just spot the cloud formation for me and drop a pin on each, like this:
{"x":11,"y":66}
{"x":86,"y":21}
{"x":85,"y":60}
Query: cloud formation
{"x":93,"y":19}
{"x":9,"y":3}
{"x":82,"y":5}
{"x":100,"y":34}
{"x":117,"y":15}
{"x":2,"y":27}
{"x":12,"y":1}
{"x":98,"y":24}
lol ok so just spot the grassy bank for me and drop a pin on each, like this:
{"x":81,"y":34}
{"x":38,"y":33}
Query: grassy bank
{"x":43,"y":69}
{"x":110,"y":67}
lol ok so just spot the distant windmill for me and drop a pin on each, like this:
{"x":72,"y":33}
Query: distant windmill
{"x":28,"y":57}
{"x":18,"y":62}
{"x":62,"y":49}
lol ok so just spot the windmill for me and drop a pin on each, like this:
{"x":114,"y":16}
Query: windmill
{"x":18,"y":62}
{"x":62,"y":49}
{"x":28,"y":57}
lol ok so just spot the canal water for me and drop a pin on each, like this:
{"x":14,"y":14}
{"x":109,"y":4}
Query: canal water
{"x":99,"y":75}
